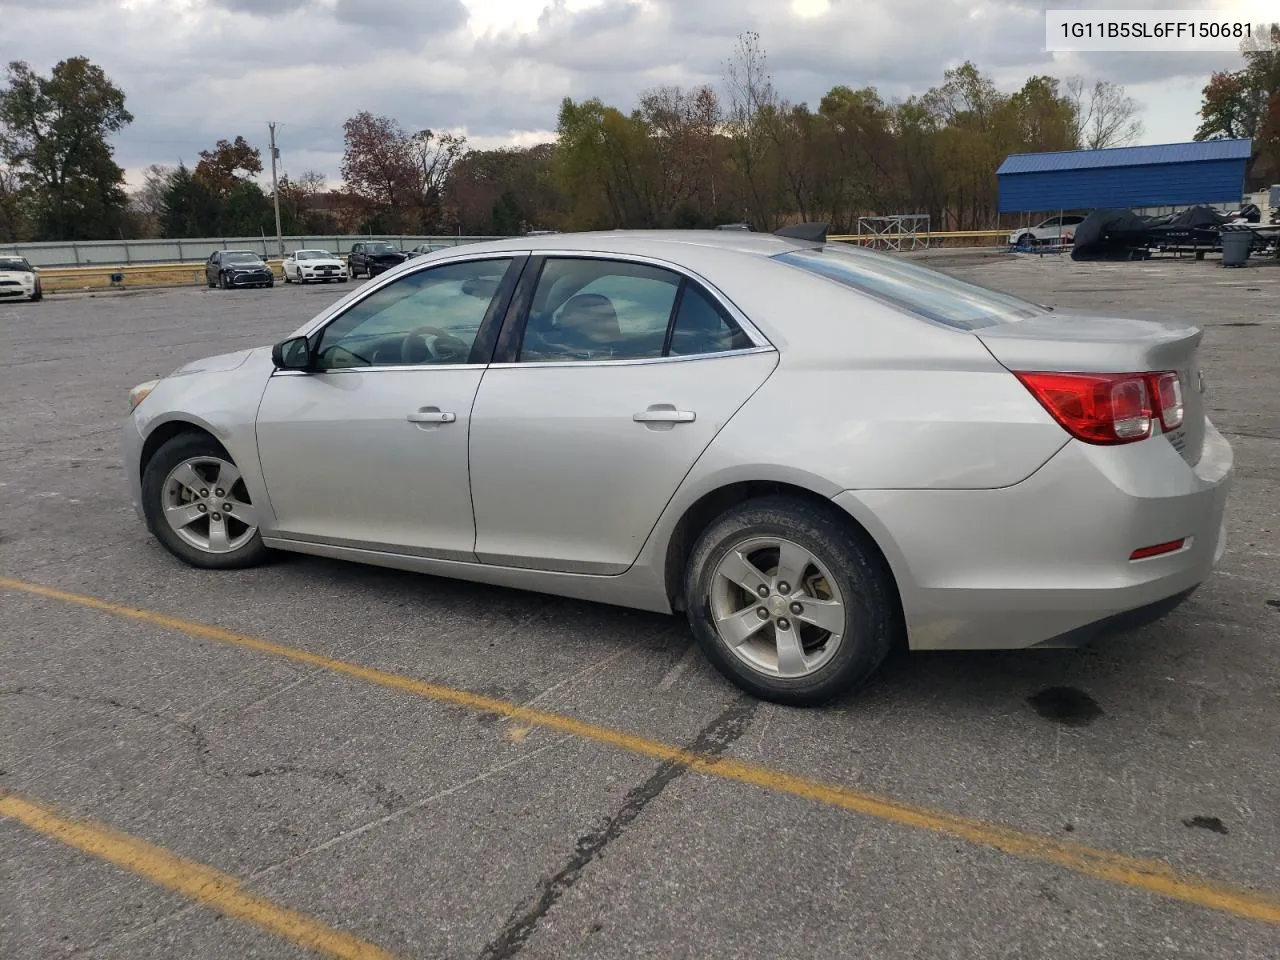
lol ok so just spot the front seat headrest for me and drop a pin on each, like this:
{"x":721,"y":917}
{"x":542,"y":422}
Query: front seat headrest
{"x":590,"y":316}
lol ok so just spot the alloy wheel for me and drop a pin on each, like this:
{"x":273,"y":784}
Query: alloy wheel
{"x":777,"y":607}
{"x":206,"y":504}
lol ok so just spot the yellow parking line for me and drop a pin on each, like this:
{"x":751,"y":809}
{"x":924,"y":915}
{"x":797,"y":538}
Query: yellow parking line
{"x":1153,"y":876}
{"x":209,"y":887}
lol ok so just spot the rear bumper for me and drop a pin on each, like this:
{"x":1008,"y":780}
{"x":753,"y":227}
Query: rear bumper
{"x":1045,"y":562}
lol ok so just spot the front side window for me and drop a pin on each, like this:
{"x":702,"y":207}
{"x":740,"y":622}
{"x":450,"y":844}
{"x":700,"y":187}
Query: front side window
{"x":612,"y":310}
{"x":916,"y":289}
{"x":428,"y":317}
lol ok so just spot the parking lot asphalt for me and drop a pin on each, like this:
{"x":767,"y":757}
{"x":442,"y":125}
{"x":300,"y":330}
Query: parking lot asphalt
{"x":319,"y":757}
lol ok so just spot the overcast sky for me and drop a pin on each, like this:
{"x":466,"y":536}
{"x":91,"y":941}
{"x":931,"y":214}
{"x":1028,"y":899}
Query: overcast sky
{"x":496,"y":70}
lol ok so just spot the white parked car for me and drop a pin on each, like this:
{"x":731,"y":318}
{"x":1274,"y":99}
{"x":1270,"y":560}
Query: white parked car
{"x":1053,"y":230}
{"x":19,"y":280}
{"x":303,"y":266}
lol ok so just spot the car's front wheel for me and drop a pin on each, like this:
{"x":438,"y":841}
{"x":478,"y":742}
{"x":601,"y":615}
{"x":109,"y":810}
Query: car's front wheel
{"x":789,"y":602}
{"x":38,"y":293}
{"x":198,"y":507}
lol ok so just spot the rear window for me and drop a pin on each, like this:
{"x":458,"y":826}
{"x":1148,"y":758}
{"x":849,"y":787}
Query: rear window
{"x":916,"y":289}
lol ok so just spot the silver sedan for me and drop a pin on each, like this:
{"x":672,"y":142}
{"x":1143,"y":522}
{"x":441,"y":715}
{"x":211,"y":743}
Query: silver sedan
{"x":815,"y":452}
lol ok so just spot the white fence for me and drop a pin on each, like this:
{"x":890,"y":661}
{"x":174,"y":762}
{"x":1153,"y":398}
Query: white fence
{"x":123,"y":253}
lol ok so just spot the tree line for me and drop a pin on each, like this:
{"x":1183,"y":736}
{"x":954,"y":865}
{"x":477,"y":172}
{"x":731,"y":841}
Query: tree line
{"x":680,"y":157}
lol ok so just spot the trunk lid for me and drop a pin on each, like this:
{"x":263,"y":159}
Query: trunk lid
{"x":1083,"y":343}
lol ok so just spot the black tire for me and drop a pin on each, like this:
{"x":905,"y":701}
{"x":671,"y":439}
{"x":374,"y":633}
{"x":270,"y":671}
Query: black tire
{"x":182,"y":447}
{"x":270,"y":284}
{"x":211,"y":283}
{"x":222,"y":282}
{"x":872,"y":613}
{"x":38,"y":294}
{"x":286,"y":277}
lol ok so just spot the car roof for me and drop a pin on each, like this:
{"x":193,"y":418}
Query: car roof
{"x":660,"y":244}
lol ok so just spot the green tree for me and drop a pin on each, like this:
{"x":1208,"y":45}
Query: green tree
{"x":55,"y":132}
{"x":189,"y":208}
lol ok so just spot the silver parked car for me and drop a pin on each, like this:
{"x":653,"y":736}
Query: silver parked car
{"x":815,"y":451}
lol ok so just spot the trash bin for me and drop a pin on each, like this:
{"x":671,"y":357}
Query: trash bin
{"x":1235,"y":244}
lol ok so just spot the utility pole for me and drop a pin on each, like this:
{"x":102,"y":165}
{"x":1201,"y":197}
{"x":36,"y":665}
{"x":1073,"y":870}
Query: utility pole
{"x":275,"y":187}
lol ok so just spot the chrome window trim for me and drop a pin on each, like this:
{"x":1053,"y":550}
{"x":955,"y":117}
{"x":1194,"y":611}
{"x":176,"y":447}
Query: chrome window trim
{"x":389,"y":368}
{"x":633,"y":361}
{"x":753,"y":332}
{"x":370,"y":287}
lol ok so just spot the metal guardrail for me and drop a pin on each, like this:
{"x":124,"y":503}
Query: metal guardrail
{"x":127,"y":253}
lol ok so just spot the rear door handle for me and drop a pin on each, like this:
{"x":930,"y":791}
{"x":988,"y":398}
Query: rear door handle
{"x":664,"y":413}
{"x":431,"y":415}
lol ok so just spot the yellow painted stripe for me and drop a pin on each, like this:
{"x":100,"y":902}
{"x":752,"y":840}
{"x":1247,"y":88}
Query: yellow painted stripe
{"x":1153,"y":876}
{"x":203,"y":884}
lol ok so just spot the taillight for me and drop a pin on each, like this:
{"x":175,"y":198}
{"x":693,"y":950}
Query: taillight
{"x":1108,"y":408}
{"x":1169,"y":393}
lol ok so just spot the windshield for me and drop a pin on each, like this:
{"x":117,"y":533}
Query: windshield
{"x":313,"y":255}
{"x":924,"y":292}
{"x":241,"y":258}
{"x":14,"y":263}
{"x":382,"y":248}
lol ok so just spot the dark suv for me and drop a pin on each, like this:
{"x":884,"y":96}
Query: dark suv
{"x":237,"y":268}
{"x":373,"y":257}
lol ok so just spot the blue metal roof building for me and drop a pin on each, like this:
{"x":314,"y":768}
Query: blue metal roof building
{"x":1166,"y":175}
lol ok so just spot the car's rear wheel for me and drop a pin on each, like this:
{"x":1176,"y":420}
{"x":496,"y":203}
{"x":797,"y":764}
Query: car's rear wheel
{"x":790,"y":603}
{"x":197,"y":505}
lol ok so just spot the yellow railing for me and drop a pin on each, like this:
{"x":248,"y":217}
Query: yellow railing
{"x":71,"y":279}
{"x":931,"y":236}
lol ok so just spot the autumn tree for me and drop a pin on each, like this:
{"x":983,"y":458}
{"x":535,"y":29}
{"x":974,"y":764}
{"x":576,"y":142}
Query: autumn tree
{"x":1246,"y":103}
{"x":507,"y":191}
{"x":300,"y":204}
{"x":54,"y":134}
{"x":228,"y":163}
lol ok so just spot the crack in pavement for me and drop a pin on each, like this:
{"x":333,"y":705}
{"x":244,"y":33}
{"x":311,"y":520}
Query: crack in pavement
{"x":712,"y":741}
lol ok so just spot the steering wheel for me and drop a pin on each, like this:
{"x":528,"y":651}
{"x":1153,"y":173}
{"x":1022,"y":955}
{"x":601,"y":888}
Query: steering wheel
{"x":446,"y":348}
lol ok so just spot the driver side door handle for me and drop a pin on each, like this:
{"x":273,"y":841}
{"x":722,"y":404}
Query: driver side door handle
{"x":431,"y":415}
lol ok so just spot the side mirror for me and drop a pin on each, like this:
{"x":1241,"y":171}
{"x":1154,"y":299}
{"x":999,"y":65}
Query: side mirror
{"x":292,"y":354}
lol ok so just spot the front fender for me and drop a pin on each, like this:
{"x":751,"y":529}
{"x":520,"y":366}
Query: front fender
{"x":222,"y":403}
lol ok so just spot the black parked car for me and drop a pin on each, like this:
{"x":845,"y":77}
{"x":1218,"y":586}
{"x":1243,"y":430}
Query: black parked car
{"x":373,"y":257}
{"x":237,"y":268}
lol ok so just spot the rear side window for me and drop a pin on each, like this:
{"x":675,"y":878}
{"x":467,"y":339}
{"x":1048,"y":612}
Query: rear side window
{"x":589,"y":309}
{"x":703,"y":327}
{"x":911,"y":287}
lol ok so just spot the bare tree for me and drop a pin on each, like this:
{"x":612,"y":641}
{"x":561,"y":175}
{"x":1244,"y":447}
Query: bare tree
{"x":434,"y":156}
{"x":148,"y":199}
{"x":752,"y":122}
{"x":1106,"y":116}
